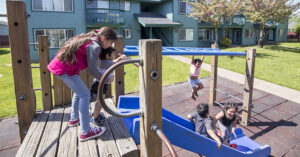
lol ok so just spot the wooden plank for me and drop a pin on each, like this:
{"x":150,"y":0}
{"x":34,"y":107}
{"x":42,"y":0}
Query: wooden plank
{"x":44,"y":72}
{"x":68,"y":137}
{"x":58,"y":91}
{"x":213,"y":80}
{"x":19,"y":46}
{"x":125,"y":143}
{"x":67,"y":99}
{"x":87,"y":148}
{"x":108,"y":93}
{"x":248,"y":86}
{"x":106,"y":142}
{"x":49,"y":142}
{"x":150,"y":88}
{"x":32,"y":139}
{"x":119,"y":72}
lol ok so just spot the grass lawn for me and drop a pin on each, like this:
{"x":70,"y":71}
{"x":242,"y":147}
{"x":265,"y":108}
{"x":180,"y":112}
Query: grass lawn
{"x":274,"y":63}
{"x":294,"y":44}
{"x":173,"y":72}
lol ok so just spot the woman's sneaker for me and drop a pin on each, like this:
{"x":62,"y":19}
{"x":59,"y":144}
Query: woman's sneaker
{"x":99,"y":121}
{"x":74,"y":122}
{"x":92,"y":133}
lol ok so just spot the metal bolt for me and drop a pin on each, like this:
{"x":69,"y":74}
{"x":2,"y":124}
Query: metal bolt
{"x":154,"y":74}
{"x":22,"y":97}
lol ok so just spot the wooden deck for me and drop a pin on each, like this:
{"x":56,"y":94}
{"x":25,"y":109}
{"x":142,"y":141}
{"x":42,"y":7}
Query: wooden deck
{"x":274,"y":122}
{"x":50,"y":135}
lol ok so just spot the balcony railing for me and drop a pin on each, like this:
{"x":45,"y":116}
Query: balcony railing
{"x":235,"y":21}
{"x":103,"y":16}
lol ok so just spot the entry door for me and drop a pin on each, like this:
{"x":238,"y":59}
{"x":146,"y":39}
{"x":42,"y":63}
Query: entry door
{"x":237,"y":36}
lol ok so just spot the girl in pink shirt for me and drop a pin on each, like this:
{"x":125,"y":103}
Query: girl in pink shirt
{"x":79,"y":53}
{"x":194,"y":74}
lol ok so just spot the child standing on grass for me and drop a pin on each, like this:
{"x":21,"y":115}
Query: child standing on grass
{"x":194,"y":74}
{"x":203,"y":123}
{"x":107,"y":58}
{"x":79,"y":53}
{"x":227,"y":121}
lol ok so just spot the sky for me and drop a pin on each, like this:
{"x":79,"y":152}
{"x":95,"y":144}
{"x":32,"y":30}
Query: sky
{"x":3,"y":9}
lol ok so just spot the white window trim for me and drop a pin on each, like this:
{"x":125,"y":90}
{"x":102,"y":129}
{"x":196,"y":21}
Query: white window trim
{"x":249,"y":37}
{"x":32,"y":7}
{"x":185,"y":34}
{"x":282,"y":35}
{"x":65,"y":34}
{"x":205,"y":33}
{"x":124,"y":1}
{"x":124,"y":33}
{"x":186,"y":7}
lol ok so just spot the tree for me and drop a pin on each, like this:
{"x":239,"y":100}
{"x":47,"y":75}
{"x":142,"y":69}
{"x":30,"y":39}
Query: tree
{"x":260,"y":11}
{"x":297,"y":28}
{"x":214,"y":12}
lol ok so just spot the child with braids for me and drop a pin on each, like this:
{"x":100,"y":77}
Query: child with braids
{"x":79,"y":53}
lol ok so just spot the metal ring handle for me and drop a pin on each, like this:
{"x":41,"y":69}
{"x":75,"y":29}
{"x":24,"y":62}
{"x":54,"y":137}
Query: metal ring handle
{"x":101,"y":87}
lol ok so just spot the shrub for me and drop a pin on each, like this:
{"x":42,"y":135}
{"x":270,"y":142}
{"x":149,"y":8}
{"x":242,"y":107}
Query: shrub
{"x":226,"y":42}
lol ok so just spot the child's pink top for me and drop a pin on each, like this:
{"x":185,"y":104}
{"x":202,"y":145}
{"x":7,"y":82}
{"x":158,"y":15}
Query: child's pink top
{"x":194,"y":70}
{"x":58,"y":68}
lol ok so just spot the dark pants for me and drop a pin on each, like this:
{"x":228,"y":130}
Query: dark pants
{"x":94,"y":88}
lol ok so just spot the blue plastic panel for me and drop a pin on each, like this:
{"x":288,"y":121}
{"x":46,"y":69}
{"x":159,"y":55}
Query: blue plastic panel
{"x":180,"y":132}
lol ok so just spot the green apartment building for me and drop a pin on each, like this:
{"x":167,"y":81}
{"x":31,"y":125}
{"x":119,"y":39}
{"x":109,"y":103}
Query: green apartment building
{"x":138,"y":19}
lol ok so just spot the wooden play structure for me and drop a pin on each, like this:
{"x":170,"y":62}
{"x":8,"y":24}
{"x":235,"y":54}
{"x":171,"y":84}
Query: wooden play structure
{"x":46,"y":133}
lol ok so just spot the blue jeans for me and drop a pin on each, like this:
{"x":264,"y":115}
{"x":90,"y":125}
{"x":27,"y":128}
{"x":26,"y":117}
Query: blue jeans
{"x":80,"y":101}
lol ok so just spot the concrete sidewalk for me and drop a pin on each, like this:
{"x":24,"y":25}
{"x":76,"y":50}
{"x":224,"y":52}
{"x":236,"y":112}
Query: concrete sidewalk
{"x":287,"y":93}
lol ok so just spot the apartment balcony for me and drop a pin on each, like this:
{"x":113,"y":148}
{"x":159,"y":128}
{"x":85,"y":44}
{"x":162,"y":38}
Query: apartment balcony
{"x":97,"y":17}
{"x":235,"y":22}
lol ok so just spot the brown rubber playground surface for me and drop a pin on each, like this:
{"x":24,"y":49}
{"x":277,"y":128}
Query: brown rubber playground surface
{"x":275,"y":121}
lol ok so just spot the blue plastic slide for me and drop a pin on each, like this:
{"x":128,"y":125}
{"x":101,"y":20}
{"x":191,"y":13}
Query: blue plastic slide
{"x":180,"y":132}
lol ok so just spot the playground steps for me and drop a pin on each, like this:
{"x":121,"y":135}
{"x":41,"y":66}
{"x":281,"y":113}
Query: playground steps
{"x":50,"y":135}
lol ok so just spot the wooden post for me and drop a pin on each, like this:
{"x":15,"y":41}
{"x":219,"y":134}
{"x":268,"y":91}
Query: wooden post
{"x":44,"y":72}
{"x":19,"y":45}
{"x":150,"y":96}
{"x":213,"y":79}
{"x":119,"y":72}
{"x":108,"y":93}
{"x":58,"y":91}
{"x":62,"y":93}
{"x":248,"y":87}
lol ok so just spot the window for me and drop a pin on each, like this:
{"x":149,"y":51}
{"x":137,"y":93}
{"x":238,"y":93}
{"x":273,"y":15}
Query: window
{"x":186,"y":34}
{"x":103,"y":3}
{"x":125,"y":5}
{"x":249,"y":33}
{"x":281,"y":32}
{"x":203,"y":34}
{"x":56,"y":37}
{"x":227,"y":33}
{"x":127,"y":33}
{"x":52,"y":5}
{"x":185,"y":8}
